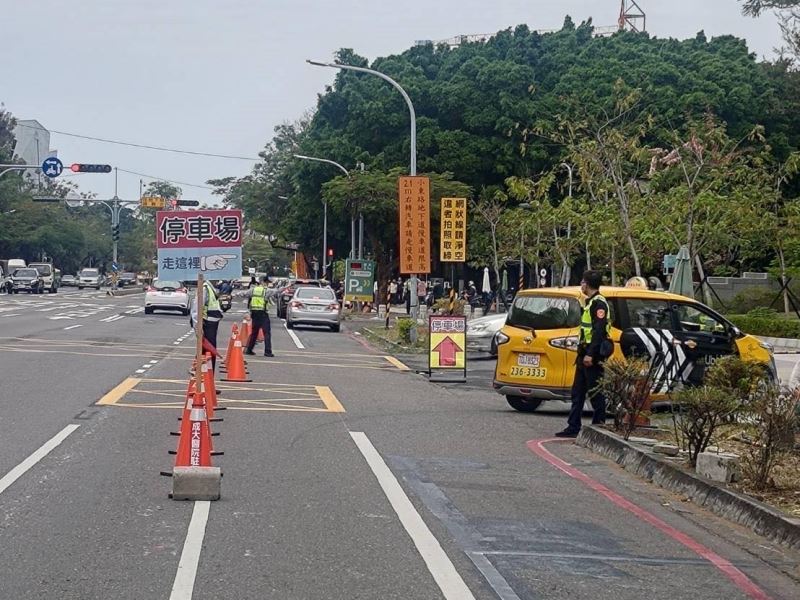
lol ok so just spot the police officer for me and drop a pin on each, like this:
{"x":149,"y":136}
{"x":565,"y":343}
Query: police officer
{"x":259,"y":299}
{"x":594,"y":331}
{"x":212,"y":315}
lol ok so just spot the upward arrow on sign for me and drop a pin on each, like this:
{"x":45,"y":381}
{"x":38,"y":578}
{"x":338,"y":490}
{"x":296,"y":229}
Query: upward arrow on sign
{"x":447,"y":350}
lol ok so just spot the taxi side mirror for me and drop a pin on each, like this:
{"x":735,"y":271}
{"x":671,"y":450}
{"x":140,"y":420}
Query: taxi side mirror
{"x":736,"y":332}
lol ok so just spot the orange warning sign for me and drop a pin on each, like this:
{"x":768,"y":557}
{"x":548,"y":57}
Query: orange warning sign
{"x":415,"y":224}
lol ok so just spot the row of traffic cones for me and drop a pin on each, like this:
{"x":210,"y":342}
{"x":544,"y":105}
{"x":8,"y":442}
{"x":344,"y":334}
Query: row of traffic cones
{"x":194,"y":476}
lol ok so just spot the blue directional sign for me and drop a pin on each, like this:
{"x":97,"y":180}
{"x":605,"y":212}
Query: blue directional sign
{"x":52,"y":167}
{"x":114,"y":266}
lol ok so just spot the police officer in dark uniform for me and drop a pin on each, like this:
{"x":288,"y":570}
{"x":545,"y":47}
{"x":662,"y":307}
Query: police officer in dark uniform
{"x":594,"y":346}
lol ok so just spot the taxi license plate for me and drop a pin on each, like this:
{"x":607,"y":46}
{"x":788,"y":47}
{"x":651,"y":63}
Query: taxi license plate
{"x":529,"y":372}
{"x":528,"y":360}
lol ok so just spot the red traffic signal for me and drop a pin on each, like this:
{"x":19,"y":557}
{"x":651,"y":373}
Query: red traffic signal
{"x":84,"y":168}
{"x":330,"y":251}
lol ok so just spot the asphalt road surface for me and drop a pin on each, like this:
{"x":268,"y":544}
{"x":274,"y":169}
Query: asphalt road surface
{"x":346,"y":475}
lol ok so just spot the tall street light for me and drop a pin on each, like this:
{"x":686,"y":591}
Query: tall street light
{"x":413,"y":165}
{"x":325,"y":264}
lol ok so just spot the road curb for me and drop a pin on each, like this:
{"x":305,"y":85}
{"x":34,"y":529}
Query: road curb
{"x":736,"y":507}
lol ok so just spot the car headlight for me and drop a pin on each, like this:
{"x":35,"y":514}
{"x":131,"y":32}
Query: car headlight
{"x":768,"y":347}
{"x":476,"y":328}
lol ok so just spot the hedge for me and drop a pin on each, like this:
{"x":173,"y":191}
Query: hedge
{"x":769,"y":327}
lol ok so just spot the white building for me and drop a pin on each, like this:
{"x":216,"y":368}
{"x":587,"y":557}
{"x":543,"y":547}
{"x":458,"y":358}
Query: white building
{"x":32,"y":144}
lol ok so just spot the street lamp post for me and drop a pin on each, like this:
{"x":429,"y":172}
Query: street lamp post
{"x":325,"y":264}
{"x":403,"y":93}
{"x":413,"y":158}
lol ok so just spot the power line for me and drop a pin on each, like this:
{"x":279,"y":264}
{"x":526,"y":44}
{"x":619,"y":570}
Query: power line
{"x":194,"y":185}
{"x":145,"y":146}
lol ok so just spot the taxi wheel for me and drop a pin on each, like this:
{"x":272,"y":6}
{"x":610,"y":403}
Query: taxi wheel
{"x":524,"y":404}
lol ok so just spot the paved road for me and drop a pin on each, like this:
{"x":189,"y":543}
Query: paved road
{"x":346,"y":476}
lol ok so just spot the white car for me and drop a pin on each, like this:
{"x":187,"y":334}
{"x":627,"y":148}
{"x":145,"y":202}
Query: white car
{"x":90,"y":278}
{"x":166,"y":295}
{"x":481,"y":332}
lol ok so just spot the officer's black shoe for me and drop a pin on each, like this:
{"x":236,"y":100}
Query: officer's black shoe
{"x":567,"y":433}
{"x":269,"y":354}
{"x":250,"y":352}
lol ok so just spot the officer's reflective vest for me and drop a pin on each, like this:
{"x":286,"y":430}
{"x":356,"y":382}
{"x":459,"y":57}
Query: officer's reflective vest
{"x":586,"y":320}
{"x":258,"y":302}
{"x":211,"y":303}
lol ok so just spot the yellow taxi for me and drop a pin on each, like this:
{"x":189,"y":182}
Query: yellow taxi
{"x":537,"y":348}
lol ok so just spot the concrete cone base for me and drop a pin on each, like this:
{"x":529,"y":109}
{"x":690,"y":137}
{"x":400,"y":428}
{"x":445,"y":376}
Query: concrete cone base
{"x":196,"y":483}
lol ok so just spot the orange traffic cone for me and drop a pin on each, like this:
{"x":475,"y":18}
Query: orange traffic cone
{"x":234,"y":337}
{"x":246,"y":328}
{"x":194,"y":445}
{"x":236,"y":370}
{"x":209,"y":388}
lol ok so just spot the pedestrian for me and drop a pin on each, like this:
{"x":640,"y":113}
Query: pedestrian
{"x":392,"y":292}
{"x":259,"y":299}
{"x":422,"y":291}
{"x":212,"y":315}
{"x":594,"y":346}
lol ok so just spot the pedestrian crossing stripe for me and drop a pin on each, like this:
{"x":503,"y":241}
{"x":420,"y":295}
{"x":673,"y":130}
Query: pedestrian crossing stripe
{"x":671,"y":367}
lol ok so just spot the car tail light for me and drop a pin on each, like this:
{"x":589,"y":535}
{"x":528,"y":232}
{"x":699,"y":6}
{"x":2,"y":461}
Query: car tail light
{"x":150,"y":288}
{"x":333,"y":306}
{"x":566,"y":343}
{"x":182,"y":290}
{"x":501,"y":338}
{"x":296,"y":304}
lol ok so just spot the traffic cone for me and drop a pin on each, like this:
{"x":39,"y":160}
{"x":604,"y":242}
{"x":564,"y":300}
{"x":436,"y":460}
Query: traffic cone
{"x":194,"y":445}
{"x":246,"y":328}
{"x":234,"y":336}
{"x":209,"y":388}
{"x":236,"y":369}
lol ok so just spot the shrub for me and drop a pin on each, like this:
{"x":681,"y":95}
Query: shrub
{"x":442,"y":306}
{"x":404,"y":327}
{"x":700,"y":410}
{"x":773,"y":421}
{"x":738,"y":378}
{"x":771,"y":327}
{"x":627,"y":385}
{"x":749,"y":299}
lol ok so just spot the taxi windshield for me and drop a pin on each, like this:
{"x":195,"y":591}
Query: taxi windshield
{"x":545,"y":312}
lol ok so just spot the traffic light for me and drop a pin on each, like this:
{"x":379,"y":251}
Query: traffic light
{"x":82,"y":168}
{"x":187,"y":202}
{"x":330,"y":252}
{"x":115,"y":233}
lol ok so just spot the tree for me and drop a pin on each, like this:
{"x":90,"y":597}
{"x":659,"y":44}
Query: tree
{"x":788,"y":13}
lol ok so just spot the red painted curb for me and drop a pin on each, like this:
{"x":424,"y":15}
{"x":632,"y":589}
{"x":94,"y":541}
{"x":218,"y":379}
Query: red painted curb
{"x":742,"y":581}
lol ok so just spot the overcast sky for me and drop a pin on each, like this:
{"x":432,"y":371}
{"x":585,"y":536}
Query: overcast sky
{"x":217,"y":75}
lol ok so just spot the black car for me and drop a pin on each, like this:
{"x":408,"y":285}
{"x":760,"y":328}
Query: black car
{"x":27,"y":280}
{"x":127,"y":279}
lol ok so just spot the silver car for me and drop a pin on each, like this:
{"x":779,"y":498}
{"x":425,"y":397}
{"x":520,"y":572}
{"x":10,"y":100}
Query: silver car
{"x":166,"y":295}
{"x":313,"y":306}
{"x":481,"y":332}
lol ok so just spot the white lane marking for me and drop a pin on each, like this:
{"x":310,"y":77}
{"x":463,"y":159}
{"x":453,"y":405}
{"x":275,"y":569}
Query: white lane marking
{"x":176,"y":343}
{"x":183,"y":587}
{"x":294,"y":337}
{"x":444,"y":572}
{"x":152,"y":362}
{"x":112,"y":318}
{"x":13,"y":315}
{"x":34,"y":458}
{"x":72,"y":327}
{"x":141,"y":371}
{"x":147,"y":366}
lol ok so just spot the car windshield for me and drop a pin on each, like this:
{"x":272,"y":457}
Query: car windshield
{"x":90,"y":273}
{"x":545,"y":312}
{"x":128,"y":276}
{"x":26,"y":273}
{"x":309,"y":293}
{"x":161,"y":285}
{"x":44,"y":269}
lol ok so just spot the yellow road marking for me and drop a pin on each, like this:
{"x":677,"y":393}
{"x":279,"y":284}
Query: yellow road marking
{"x":118,"y":392}
{"x":393,"y":361}
{"x":327,"y":397}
